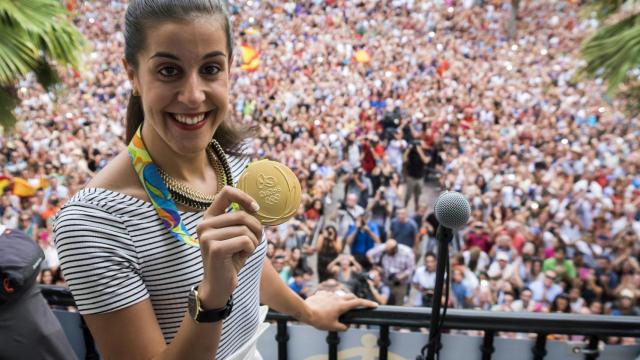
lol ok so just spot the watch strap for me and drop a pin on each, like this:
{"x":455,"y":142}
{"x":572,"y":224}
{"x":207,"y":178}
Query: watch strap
{"x":207,"y":315}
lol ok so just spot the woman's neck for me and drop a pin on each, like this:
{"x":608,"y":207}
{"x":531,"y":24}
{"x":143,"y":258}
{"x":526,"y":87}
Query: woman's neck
{"x":188,"y":168}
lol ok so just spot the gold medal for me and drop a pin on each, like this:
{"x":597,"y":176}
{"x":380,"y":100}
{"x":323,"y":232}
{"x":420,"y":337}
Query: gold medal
{"x":276,"y":189}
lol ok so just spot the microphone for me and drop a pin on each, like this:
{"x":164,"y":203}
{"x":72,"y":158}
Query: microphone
{"x":452,"y":211}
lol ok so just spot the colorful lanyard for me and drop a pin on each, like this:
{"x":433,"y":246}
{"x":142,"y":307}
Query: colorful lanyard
{"x":157,"y":191}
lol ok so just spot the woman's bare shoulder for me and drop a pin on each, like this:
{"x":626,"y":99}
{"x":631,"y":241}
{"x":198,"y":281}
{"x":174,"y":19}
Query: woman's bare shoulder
{"x":119,"y":176}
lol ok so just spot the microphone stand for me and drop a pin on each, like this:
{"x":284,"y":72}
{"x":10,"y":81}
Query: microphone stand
{"x":443,"y":236}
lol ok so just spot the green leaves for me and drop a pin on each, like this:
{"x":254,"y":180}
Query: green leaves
{"x":34,"y":35}
{"x":614,"y":50}
{"x":606,"y":8}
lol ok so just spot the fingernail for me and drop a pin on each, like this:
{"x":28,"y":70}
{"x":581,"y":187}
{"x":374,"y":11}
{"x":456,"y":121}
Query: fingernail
{"x":255,"y":206}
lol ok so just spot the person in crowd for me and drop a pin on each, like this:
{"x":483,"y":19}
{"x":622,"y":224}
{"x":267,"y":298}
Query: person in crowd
{"x":424,"y":280}
{"x":28,"y":226}
{"x":524,"y":303}
{"x":405,"y":231}
{"x":298,"y":283}
{"x":397,"y":262}
{"x":502,"y":268}
{"x":328,"y":246}
{"x":359,"y":185}
{"x":415,"y":160}
{"x":478,"y":236}
{"x":380,"y":210}
{"x":348,"y":214}
{"x":560,"y":263}
{"x":545,"y":290}
{"x":361,"y":237}
{"x":379,"y":289}
{"x":46,"y":277}
{"x":344,"y":268}
{"x":626,"y":304}
{"x":461,"y":289}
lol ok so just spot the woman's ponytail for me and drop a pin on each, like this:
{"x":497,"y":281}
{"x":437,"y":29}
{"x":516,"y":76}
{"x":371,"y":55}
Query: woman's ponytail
{"x":135,"y":116}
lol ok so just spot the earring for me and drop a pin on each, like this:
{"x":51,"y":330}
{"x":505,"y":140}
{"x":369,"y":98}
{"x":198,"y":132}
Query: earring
{"x":135,"y":92}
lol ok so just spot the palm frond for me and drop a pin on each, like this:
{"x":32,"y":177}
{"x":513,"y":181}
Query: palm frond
{"x":18,"y":55}
{"x":47,"y":76}
{"x":606,"y":8}
{"x":7,"y":104}
{"x":34,"y":36}
{"x":632,"y":104}
{"x":30,"y":15}
{"x":61,"y":41}
{"x":613,"y":51}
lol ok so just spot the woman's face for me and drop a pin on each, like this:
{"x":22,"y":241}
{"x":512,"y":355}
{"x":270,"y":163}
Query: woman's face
{"x":183,"y":80}
{"x":47,"y":278}
{"x":331,"y":233}
{"x":562,"y":304}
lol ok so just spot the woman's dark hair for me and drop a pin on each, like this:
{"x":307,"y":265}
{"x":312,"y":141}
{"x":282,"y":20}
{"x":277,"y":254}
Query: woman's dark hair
{"x":554,"y":305}
{"x":140,"y":16}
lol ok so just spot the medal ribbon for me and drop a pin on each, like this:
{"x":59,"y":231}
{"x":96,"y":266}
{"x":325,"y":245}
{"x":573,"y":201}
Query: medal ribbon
{"x":157,"y":190}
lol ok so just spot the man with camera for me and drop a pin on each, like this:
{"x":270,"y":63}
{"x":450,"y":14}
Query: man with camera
{"x":359,"y":184}
{"x":361,"y":237}
{"x":415,"y":161}
{"x":379,"y":289}
{"x":397,"y":263}
{"x":424,"y":280}
{"x":348,"y":213}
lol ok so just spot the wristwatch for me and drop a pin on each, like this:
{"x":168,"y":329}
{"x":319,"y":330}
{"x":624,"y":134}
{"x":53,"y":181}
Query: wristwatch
{"x":201,"y":315}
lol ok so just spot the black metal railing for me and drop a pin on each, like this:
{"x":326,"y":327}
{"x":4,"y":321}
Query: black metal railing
{"x":594,"y":327}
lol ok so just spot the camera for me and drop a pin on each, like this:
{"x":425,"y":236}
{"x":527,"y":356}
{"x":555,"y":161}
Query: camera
{"x":359,"y":285}
{"x":392,"y":279}
{"x":427,"y":297}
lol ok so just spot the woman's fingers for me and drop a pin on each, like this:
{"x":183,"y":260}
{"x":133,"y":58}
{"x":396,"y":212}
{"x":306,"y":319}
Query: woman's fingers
{"x":229,"y":195}
{"x":231,"y":219}
{"x":356,"y":302}
{"x":229,"y":232}
{"x":238,"y":249}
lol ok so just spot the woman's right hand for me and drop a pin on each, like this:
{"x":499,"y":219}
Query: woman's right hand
{"x":226,"y":242}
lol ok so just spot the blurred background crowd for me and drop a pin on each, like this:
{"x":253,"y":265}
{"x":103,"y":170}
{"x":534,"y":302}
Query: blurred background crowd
{"x":378,"y":106}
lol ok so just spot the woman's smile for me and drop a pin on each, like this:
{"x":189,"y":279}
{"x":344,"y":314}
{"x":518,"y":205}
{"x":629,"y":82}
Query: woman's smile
{"x":191,"y":121}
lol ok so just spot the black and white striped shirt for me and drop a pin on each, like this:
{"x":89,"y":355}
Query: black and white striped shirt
{"x":115,"y":252}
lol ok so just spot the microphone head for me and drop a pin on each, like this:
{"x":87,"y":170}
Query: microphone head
{"x":452,"y":210}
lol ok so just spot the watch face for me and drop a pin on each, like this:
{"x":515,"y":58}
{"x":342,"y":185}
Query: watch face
{"x":192,"y":305}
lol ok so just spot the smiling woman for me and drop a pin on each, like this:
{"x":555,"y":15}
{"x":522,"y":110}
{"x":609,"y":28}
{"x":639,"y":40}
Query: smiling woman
{"x":157,"y":265}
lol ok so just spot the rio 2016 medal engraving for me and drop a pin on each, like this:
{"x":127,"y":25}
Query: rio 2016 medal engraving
{"x":276,"y":189}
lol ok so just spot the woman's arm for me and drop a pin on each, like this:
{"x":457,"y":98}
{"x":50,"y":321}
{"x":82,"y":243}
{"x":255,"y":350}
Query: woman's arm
{"x":380,"y":299}
{"x":142,"y":338}
{"x":355,"y":265}
{"x":320,"y":242}
{"x":339,"y":244}
{"x":333,"y":265}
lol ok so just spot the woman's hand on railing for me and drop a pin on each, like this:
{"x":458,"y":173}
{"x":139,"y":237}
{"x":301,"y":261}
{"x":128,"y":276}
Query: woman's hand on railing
{"x":326,"y":307}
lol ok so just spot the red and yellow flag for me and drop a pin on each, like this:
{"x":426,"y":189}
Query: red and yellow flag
{"x":250,"y":58}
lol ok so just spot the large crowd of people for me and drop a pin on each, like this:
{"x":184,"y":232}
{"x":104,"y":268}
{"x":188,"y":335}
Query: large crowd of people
{"x":371,"y":103}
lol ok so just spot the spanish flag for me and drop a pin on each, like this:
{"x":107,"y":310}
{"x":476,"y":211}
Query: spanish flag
{"x":4,"y":182}
{"x":22,"y":188}
{"x":362,"y":56}
{"x":250,"y":58}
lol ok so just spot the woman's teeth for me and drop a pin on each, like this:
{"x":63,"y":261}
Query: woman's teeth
{"x":189,"y":120}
